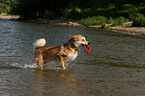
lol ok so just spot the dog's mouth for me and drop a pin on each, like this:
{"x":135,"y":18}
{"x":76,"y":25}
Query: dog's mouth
{"x":85,"y":48}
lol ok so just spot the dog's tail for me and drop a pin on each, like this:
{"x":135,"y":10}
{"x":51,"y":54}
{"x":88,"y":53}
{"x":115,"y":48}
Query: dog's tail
{"x":38,"y":44}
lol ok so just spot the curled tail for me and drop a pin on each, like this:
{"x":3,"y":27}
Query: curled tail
{"x":38,"y":44}
{"x":38,"y":59}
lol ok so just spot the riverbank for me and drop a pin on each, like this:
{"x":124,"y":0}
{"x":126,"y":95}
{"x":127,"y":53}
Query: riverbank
{"x":126,"y":28}
{"x":60,"y":22}
{"x":129,"y":30}
{"x":9,"y":17}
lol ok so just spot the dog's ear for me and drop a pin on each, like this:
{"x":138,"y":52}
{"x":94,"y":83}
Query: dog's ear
{"x":71,"y":36}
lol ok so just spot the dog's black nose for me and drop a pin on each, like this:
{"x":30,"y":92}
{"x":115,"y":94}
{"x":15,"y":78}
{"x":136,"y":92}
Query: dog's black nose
{"x":88,"y":43}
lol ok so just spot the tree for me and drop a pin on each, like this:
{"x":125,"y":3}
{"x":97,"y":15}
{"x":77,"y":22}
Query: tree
{"x":4,"y":6}
{"x":98,"y":4}
{"x":29,"y":9}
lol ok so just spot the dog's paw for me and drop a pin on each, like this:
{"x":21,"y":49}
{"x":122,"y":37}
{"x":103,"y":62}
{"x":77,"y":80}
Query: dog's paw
{"x":63,"y":68}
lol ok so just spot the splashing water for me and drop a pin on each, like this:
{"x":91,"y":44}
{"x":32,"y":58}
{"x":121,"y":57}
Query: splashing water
{"x":48,"y":66}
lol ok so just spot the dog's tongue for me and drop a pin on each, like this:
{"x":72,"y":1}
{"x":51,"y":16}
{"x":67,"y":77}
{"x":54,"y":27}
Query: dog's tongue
{"x":86,"y":48}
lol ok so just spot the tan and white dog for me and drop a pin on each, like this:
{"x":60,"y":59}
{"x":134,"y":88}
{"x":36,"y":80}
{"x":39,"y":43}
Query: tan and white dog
{"x":64,"y":54}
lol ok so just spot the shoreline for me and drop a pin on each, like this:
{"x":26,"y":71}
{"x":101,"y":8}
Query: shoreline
{"x":68,"y":22}
{"x":122,"y":29}
{"x":129,"y":30}
{"x":60,"y":22}
{"x":9,"y":17}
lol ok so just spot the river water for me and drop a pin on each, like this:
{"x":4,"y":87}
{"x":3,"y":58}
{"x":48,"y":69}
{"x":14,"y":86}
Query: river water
{"x":115,"y":66}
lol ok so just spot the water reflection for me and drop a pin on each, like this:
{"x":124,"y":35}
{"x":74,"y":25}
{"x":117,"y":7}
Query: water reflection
{"x":55,"y":83}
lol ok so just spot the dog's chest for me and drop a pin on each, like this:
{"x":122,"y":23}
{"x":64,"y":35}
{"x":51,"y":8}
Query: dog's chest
{"x":72,"y":56}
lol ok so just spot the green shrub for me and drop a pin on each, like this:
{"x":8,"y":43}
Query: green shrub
{"x":105,"y":13}
{"x":128,"y":8}
{"x":142,"y":11}
{"x":110,"y":21}
{"x":132,"y":16}
{"x":95,"y":20}
{"x":139,"y":21}
{"x":3,"y":10}
{"x":88,"y":13}
{"x":49,"y":15}
{"x":103,"y":26}
{"x":118,"y":21}
{"x":74,"y":14}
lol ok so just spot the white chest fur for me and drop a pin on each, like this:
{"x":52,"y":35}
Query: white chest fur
{"x":72,"y":56}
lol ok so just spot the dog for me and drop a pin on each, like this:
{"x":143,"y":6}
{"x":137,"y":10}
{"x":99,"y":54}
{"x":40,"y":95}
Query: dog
{"x":63,"y":54}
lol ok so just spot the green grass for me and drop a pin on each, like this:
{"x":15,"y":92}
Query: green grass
{"x":139,"y":21}
{"x":101,"y":20}
{"x":117,"y":21}
{"x":95,"y":20}
{"x":132,"y":16}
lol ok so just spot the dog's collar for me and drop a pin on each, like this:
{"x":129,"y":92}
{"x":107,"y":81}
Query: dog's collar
{"x":70,"y":45}
{"x":74,"y":47}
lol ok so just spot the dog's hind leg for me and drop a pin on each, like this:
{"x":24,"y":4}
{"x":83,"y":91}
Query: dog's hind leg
{"x":38,"y":60}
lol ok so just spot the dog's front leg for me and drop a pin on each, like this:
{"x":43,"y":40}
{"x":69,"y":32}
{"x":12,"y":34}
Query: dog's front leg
{"x":62,"y":62}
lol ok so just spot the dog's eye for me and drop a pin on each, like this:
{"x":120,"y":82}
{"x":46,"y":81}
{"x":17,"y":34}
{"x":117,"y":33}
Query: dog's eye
{"x":83,"y":39}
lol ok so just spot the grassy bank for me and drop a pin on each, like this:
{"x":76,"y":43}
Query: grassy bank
{"x":137,"y":18}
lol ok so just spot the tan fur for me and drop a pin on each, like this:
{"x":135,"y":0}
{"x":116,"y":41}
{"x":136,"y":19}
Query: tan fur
{"x":64,"y":53}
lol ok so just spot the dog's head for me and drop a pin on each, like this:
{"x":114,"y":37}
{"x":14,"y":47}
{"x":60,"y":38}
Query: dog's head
{"x":78,"y":41}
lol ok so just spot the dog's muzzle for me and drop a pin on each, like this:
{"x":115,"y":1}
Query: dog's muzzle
{"x":88,"y":47}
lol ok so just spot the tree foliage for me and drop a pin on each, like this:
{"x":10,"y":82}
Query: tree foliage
{"x":36,"y":8}
{"x":5,"y":6}
{"x":29,"y":9}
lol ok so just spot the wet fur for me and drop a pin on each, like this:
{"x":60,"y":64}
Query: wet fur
{"x":64,"y":53}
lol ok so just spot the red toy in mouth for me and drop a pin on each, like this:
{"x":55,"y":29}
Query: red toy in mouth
{"x":86,"y":48}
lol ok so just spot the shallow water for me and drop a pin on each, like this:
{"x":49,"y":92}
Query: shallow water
{"x":115,"y":66}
